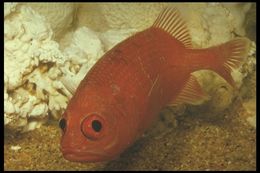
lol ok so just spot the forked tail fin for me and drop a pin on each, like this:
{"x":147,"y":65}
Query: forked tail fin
{"x":221,"y":59}
{"x":229,"y":56}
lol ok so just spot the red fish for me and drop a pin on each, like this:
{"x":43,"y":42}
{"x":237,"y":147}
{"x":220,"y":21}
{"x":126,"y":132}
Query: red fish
{"x":125,"y":90}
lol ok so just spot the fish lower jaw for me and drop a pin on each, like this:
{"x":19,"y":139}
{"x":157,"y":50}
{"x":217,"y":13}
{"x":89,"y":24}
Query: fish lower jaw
{"x":86,"y":156}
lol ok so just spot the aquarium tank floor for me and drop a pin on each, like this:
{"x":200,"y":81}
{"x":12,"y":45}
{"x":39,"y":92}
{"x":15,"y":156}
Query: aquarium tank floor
{"x":191,"y":141}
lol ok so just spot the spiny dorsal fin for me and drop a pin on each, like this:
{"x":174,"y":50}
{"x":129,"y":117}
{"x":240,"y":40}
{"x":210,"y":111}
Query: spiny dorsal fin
{"x":170,"y":21}
{"x":191,"y":93}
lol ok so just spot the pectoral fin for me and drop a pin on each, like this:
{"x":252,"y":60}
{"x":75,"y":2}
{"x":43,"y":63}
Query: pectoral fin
{"x":70,"y":84}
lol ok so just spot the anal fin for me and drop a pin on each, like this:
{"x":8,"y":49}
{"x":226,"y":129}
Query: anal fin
{"x":191,"y":93}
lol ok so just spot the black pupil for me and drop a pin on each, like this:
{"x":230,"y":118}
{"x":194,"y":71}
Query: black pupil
{"x":62,"y":123}
{"x":96,"y":125}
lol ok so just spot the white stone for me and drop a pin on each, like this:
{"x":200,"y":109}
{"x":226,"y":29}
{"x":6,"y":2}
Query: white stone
{"x":9,"y":8}
{"x":15,"y":148}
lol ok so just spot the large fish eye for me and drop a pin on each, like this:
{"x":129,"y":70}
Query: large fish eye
{"x":96,"y":125}
{"x":92,"y":126}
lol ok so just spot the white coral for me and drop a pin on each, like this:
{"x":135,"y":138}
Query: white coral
{"x":60,"y":16}
{"x":82,"y":53}
{"x":28,"y":45}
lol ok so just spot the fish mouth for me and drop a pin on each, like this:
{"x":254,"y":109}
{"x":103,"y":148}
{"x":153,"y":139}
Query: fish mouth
{"x":75,"y":155}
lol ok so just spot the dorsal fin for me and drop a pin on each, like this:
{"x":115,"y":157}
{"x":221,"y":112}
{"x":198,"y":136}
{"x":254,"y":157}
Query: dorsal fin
{"x":171,"y":22}
{"x":191,"y":93}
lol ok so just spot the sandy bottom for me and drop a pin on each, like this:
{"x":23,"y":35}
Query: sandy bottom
{"x":196,"y":140}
